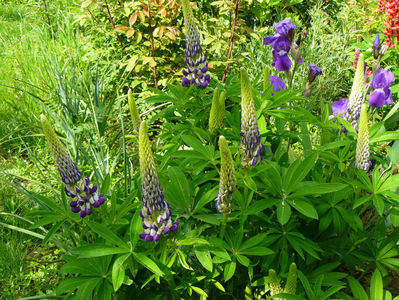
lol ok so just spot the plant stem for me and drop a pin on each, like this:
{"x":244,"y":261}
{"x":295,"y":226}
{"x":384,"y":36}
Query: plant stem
{"x":111,"y":19}
{"x":154,"y":69}
{"x":231,"y":41}
{"x":223,"y":227}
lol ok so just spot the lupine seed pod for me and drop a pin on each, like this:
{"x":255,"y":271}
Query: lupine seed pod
{"x":362,"y":147}
{"x":357,"y":93}
{"x":251,"y":147}
{"x":274,"y":284}
{"x":227,"y":178}
{"x":216,"y":115}
{"x":134,"y":113}
{"x":290,"y":285}
{"x":197,"y":66}
{"x":83,"y":194}
{"x":155,"y":213}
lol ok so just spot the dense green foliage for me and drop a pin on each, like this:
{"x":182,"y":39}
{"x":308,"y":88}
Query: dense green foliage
{"x":304,"y":222}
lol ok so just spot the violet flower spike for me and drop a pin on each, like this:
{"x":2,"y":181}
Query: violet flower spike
{"x":313,"y":72}
{"x":381,"y":83}
{"x":376,"y":47}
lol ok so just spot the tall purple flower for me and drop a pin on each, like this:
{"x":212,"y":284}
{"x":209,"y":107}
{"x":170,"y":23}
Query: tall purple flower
{"x":313,"y":72}
{"x":155,"y":213}
{"x":277,"y":83}
{"x":339,"y":107}
{"x":284,"y":28}
{"x":376,"y":47}
{"x":83,"y":194}
{"x":381,"y":84}
{"x":251,"y":147}
{"x":197,"y":66}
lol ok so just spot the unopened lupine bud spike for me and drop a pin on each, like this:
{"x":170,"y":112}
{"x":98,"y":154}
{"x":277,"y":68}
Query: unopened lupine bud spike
{"x":357,"y":93}
{"x":83,"y":194}
{"x":227,"y":178}
{"x":362,"y":147}
{"x":274,"y":283}
{"x":156,"y":214}
{"x":134,"y":113}
{"x":216,"y":115}
{"x":290,"y":285}
{"x":197,"y":66}
{"x":251,"y":147}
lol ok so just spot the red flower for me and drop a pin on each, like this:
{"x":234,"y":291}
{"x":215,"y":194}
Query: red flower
{"x":391,"y":8}
{"x":368,"y":71}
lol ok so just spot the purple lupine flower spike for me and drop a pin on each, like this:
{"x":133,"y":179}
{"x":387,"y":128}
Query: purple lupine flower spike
{"x":155,"y":213}
{"x":376,"y":47}
{"x":83,"y":194}
{"x":197,"y":66}
{"x":382,"y":94}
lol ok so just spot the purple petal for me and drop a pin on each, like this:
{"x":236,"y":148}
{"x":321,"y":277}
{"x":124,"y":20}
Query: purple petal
{"x":377,"y":98}
{"x":277,"y":83}
{"x":382,"y":79}
{"x":340,"y":106}
{"x":283,"y":62}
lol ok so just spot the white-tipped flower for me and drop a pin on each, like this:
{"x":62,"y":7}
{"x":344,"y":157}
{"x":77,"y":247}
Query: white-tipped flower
{"x":357,"y":93}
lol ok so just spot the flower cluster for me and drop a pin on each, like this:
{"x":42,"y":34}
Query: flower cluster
{"x":134,"y":113}
{"x":362,"y":147}
{"x":155,"y":213}
{"x":227,"y":178}
{"x":251,"y":147}
{"x":197,"y":66}
{"x":351,"y":108}
{"x":217,"y":111}
{"x":83,"y":194}
{"x":282,"y":42}
{"x":392,"y":23}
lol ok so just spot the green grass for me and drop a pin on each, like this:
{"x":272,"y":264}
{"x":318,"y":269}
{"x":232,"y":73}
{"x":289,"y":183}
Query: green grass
{"x":27,"y":43}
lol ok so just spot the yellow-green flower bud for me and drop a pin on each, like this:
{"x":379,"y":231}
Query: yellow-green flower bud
{"x":217,"y":111}
{"x":274,"y":283}
{"x":290,"y":285}
{"x":134,"y":113}
{"x":251,"y":147}
{"x":357,"y":93}
{"x":362,"y":147}
{"x":227,"y":178}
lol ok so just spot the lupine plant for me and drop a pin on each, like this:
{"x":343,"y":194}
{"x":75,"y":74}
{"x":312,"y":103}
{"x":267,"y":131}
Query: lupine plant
{"x":253,"y":192}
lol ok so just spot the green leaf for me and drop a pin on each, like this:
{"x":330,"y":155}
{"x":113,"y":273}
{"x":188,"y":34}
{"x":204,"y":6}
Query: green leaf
{"x":305,"y":208}
{"x":253,"y":241}
{"x":199,"y":291}
{"x":391,"y":183}
{"x":283,"y":212}
{"x":314,"y":188}
{"x":86,"y":288}
{"x":72,"y":283}
{"x":376,"y":286}
{"x":136,"y":228}
{"x":298,"y":172}
{"x":118,"y":271}
{"x":196,"y":145}
{"x":204,"y":257}
{"x":385,"y":137}
{"x":178,"y":192}
{"x":106,"y":184}
{"x":219,"y":286}
{"x":148,"y":263}
{"x":192,"y":241}
{"x":357,"y":290}
{"x":229,"y":270}
{"x":96,"y":250}
{"x":29,"y":232}
{"x":258,"y":251}
{"x":107,"y":234}
{"x":243,"y":260}
{"x":52,"y":231}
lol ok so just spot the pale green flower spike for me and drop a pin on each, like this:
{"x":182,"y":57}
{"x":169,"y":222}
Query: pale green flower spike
{"x":134,"y":113}
{"x":362,"y":147}
{"x":227,"y":178}
{"x":155,"y":213}
{"x":290,"y":285}
{"x":251,"y":147}
{"x":217,"y":111}
{"x":266,"y":80}
{"x":357,"y":93}
{"x":274,"y":284}
{"x":68,"y":171}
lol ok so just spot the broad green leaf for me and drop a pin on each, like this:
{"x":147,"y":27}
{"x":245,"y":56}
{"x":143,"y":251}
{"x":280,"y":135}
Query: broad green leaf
{"x":199,"y":291}
{"x":253,"y":241}
{"x":305,"y":208}
{"x":29,"y":232}
{"x":243,"y":259}
{"x":229,"y":270}
{"x":118,"y":271}
{"x":45,"y":220}
{"x":258,"y":251}
{"x":283,"y":212}
{"x":219,"y":286}
{"x":107,"y":234}
{"x":96,"y":250}
{"x":376,"y":286}
{"x":182,"y":260}
{"x":86,"y":288}
{"x":192,"y":241}
{"x":204,"y":257}
{"x":52,"y":231}
{"x":385,"y":137}
{"x":178,"y":189}
{"x":71,"y":284}
{"x":314,"y":188}
{"x":148,"y":263}
{"x":299,"y":172}
{"x":391,"y":183}
{"x":135,"y":229}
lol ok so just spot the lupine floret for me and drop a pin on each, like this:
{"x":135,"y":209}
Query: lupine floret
{"x":362,"y":147}
{"x":83,"y":194}
{"x":227,"y":178}
{"x":134,"y":113}
{"x":155,"y":213}
{"x":251,"y":147}
{"x":197,"y":66}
